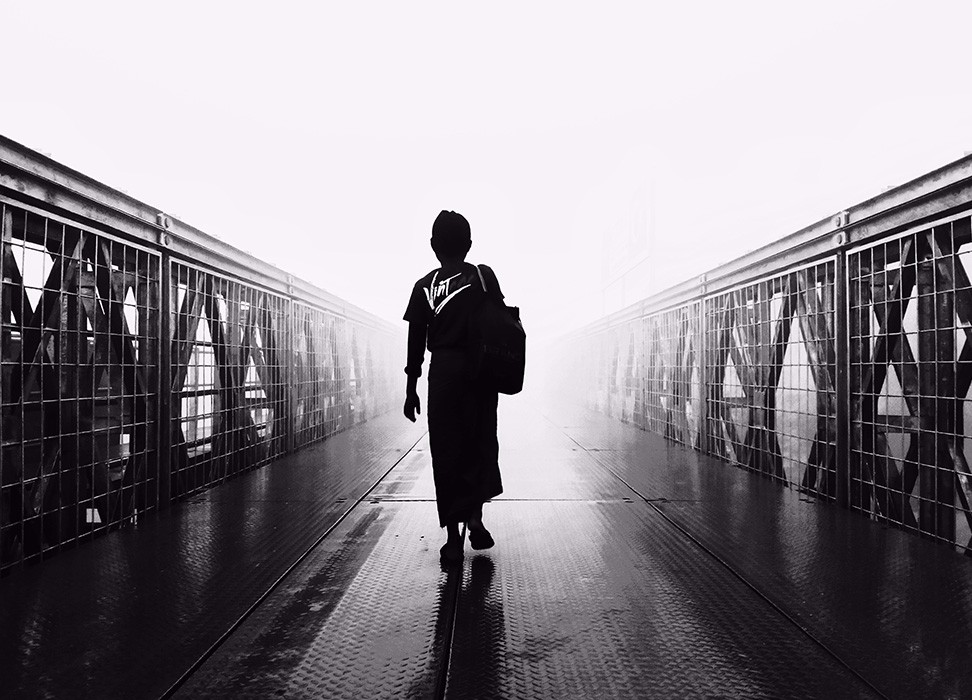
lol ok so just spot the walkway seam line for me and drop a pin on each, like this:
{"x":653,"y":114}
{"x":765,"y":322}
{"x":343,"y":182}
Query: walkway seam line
{"x":442,"y":685}
{"x":266,"y":594}
{"x":652,"y":504}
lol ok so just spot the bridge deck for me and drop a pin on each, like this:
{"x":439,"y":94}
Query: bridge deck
{"x":625,"y":565}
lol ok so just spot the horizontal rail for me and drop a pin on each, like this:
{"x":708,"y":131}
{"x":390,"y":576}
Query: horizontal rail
{"x":32,"y":178}
{"x":941,"y":192}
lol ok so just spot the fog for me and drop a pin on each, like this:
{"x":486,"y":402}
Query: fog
{"x":600,"y":151}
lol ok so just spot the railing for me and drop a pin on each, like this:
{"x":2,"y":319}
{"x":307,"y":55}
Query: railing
{"x":143,"y":360}
{"x":836,"y":361}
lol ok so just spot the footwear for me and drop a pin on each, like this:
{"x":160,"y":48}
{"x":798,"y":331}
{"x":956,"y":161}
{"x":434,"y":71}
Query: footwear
{"x":451,"y":552}
{"x":479,"y":538}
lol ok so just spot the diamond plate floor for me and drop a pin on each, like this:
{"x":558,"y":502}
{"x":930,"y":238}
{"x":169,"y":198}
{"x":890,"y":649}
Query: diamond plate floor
{"x":589,"y":592}
{"x":697,"y":580}
{"x":603,"y":600}
{"x":124,"y":616}
{"x":366,"y":616}
{"x":895,"y":606}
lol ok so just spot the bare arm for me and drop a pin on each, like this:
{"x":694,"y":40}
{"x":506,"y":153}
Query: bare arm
{"x":413,"y":368}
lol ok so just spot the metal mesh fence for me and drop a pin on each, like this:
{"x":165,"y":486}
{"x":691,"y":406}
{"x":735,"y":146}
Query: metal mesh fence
{"x":605,"y":372}
{"x":229,"y":383}
{"x":674,"y":387}
{"x":342,"y":373}
{"x":766,"y":355}
{"x":252,"y":373}
{"x":376,"y":356}
{"x":622,"y":358}
{"x":910,"y":323}
{"x":645,"y":371}
{"x":322,"y":375}
{"x":770,"y":377}
{"x":80,"y":382}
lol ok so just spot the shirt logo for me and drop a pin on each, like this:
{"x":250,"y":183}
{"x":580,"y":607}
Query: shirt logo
{"x":440,"y":293}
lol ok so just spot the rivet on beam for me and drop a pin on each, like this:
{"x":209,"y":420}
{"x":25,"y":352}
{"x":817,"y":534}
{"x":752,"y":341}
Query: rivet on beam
{"x":165,"y":223}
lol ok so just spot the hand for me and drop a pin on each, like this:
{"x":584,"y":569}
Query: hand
{"x":412,"y":405}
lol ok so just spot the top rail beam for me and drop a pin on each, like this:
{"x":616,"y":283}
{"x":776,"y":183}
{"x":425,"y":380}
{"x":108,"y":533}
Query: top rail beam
{"x":939,"y":193}
{"x":31,"y":176}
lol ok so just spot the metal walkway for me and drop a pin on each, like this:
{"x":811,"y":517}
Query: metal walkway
{"x":625,"y":566}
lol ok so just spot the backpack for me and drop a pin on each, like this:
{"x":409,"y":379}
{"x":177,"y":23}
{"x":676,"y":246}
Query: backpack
{"x":499,"y":344}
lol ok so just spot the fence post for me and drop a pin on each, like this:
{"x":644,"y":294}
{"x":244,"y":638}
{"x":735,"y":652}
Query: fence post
{"x":6,"y":234}
{"x":936,"y":383}
{"x":703,"y":372}
{"x":165,"y":380}
{"x":290,"y":367}
{"x":703,"y":445}
{"x":842,"y":343}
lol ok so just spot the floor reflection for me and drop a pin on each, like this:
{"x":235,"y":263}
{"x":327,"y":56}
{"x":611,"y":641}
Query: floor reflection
{"x":479,"y":645}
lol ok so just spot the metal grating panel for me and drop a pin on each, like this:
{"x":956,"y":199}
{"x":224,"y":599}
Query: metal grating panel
{"x":910,"y":322}
{"x":837,"y":360}
{"x":372,"y":359}
{"x":229,"y":385}
{"x":142,"y":360}
{"x":342,"y":373}
{"x":321,"y":375}
{"x":674,"y":386}
{"x":770,"y":377}
{"x":620,"y":366}
{"x":646,"y":371}
{"x":80,"y":315}
{"x":605,"y":359}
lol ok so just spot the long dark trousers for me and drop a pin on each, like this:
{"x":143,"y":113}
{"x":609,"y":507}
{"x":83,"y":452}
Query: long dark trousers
{"x":462,"y":433}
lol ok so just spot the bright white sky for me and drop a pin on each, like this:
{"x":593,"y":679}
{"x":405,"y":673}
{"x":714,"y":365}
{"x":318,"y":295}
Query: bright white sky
{"x":325,"y":137}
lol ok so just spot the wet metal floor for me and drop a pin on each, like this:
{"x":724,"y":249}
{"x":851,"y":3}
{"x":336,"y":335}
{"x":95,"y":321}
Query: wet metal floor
{"x":624,"y":566}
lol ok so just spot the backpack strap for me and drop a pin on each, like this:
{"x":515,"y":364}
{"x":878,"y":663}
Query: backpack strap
{"x":481,"y":280}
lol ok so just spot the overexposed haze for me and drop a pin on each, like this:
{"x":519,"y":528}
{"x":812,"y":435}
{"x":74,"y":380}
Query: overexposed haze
{"x":325,"y":137}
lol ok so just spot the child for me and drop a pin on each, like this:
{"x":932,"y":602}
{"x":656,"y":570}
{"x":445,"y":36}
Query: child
{"x":461,"y":411}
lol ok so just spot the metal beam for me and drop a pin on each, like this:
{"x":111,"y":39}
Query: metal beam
{"x":941,"y":192}
{"x":33,"y":179}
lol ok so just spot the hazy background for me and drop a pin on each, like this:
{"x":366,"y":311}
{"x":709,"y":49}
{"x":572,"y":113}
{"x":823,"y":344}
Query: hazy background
{"x":586,"y":143}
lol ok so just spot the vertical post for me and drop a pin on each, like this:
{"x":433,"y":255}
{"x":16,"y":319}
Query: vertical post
{"x":936,"y":353}
{"x":710,"y":354}
{"x":703,"y":445}
{"x":6,"y":234}
{"x":927,"y":356}
{"x":290,"y":373}
{"x":642,"y":354}
{"x":761,"y":413}
{"x":164,"y":412}
{"x":860,"y":365}
{"x":842,"y":358}
{"x":945,"y":404}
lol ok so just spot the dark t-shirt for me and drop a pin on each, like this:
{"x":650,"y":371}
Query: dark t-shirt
{"x":444,"y":304}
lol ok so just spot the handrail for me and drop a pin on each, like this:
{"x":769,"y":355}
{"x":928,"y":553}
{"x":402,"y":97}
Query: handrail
{"x":943,"y":191}
{"x":25,"y":173}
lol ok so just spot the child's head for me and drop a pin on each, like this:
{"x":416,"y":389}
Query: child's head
{"x":451,"y":239}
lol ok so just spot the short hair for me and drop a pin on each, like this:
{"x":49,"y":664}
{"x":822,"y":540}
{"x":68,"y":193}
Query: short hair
{"x":450,"y":234}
